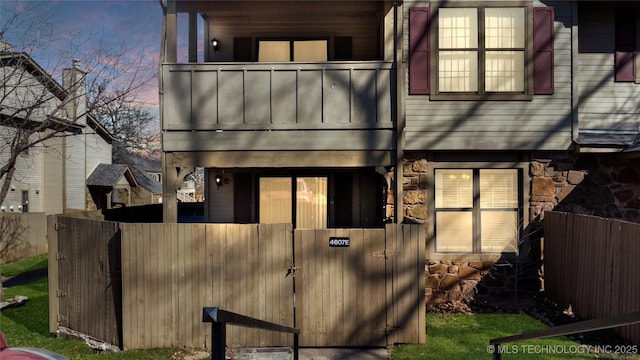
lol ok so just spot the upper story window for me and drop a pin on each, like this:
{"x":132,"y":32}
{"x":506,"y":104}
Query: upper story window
{"x":503,"y":51}
{"x":292,"y":50}
{"x":481,"y":50}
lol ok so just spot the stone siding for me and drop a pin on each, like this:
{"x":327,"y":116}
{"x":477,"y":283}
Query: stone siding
{"x":605,"y":185}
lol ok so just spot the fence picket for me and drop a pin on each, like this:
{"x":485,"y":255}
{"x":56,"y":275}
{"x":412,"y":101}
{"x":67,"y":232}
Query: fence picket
{"x":589,"y":263}
{"x":166,"y":273}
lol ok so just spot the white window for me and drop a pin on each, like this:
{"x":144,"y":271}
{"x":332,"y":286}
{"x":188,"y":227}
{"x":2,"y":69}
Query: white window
{"x":481,"y":50}
{"x":477,"y":210}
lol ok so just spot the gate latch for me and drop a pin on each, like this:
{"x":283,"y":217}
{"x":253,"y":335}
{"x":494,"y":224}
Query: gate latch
{"x":291,"y":271}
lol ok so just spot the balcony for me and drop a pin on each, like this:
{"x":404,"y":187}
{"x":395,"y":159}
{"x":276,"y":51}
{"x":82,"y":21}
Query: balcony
{"x":278,"y":106}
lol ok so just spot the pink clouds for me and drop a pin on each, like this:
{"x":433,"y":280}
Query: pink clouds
{"x":116,"y":39}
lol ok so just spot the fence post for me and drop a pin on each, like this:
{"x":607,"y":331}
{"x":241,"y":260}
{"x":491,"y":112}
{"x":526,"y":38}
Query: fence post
{"x":53,"y":277}
{"x":218,"y":340}
{"x":496,"y":352}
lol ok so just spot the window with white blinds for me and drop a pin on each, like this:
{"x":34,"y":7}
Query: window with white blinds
{"x":277,"y":200}
{"x":477,"y":210}
{"x":481,"y":45}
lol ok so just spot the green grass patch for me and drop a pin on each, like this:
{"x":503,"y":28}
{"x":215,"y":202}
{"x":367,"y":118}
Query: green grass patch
{"x":466,"y":337}
{"x":22,"y":266}
{"x":28,"y":325}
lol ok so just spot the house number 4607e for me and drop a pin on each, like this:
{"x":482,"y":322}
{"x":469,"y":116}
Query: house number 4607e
{"x":338,"y":241}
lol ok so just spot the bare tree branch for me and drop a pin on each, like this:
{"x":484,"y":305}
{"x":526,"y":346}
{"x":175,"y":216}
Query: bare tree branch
{"x":35,"y":109}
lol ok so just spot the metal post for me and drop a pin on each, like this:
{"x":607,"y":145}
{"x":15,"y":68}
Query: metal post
{"x":218,"y":340}
{"x":295,"y":346}
{"x":496,"y":352}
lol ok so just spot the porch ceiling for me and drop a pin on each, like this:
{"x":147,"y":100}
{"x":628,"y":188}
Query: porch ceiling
{"x":284,"y":10}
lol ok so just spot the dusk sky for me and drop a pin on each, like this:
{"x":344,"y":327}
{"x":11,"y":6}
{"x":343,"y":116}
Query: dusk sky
{"x":54,"y":33}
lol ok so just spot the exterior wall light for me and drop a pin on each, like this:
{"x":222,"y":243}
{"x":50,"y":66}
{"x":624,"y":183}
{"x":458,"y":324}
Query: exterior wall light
{"x":219,"y":180}
{"x":215,"y":44}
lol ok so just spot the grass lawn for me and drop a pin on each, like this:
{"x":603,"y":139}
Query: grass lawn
{"x":466,"y":337}
{"x":28,"y":325}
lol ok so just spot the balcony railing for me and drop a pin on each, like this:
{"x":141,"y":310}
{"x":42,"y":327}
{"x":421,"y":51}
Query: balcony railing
{"x":278,"y":96}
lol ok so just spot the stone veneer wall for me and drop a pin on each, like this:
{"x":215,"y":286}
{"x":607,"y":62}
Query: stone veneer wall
{"x":590,"y":184}
{"x":605,"y":185}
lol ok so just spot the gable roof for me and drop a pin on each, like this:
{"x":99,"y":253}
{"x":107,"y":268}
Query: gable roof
{"x":146,"y":181}
{"x":140,"y":167}
{"x":108,"y":175}
{"x":10,"y":58}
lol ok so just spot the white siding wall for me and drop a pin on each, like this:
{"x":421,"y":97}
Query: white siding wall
{"x":40,"y":173}
{"x":76,"y":172}
{"x":52,"y":177}
{"x":98,"y":151}
{"x":22,"y":91}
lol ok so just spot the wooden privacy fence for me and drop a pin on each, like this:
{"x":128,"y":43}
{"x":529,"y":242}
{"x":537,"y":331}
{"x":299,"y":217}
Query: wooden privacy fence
{"x":156,"y":278}
{"x":592,"y":264}
{"x":84,"y":277}
{"x":22,"y":235}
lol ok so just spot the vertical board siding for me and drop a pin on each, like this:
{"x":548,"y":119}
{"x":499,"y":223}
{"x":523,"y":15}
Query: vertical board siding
{"x":164,"y":274}
{"x":328,"y":300}
{"x":589,"y":263}
{"x":89,"y":288}
{"x":278,"y":96}
{"x":368,"y":296}
{"x":199,"y":265}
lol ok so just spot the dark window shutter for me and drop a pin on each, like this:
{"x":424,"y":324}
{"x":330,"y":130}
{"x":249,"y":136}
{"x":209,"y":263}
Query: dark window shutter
{"x":543,"y":50}
{"x":625,"y":57}
{"x":419,"y":79}
{"x":242,"y":198}
{"x":242,"y":49}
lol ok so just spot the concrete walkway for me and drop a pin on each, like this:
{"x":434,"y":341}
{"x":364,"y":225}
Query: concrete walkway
{"x":304,"y":354}
{"x":343,"y":354}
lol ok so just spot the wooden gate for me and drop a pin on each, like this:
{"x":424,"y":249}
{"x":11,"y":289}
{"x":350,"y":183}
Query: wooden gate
{"x":360,"y":287}
{"x":88,"y":288}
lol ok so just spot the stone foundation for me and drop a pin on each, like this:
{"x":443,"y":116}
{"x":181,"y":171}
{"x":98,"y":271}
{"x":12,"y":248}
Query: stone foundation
{"x":449,"y":281}
{"x":605,"y":185}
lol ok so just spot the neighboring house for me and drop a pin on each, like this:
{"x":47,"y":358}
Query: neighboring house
{"x":487,"y":113}
{"x":147,"y":171}
{"x":187,"y":191}
{"x":112,"y":185}
{"x":149,"y":190}
{"x":50,"y":177}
